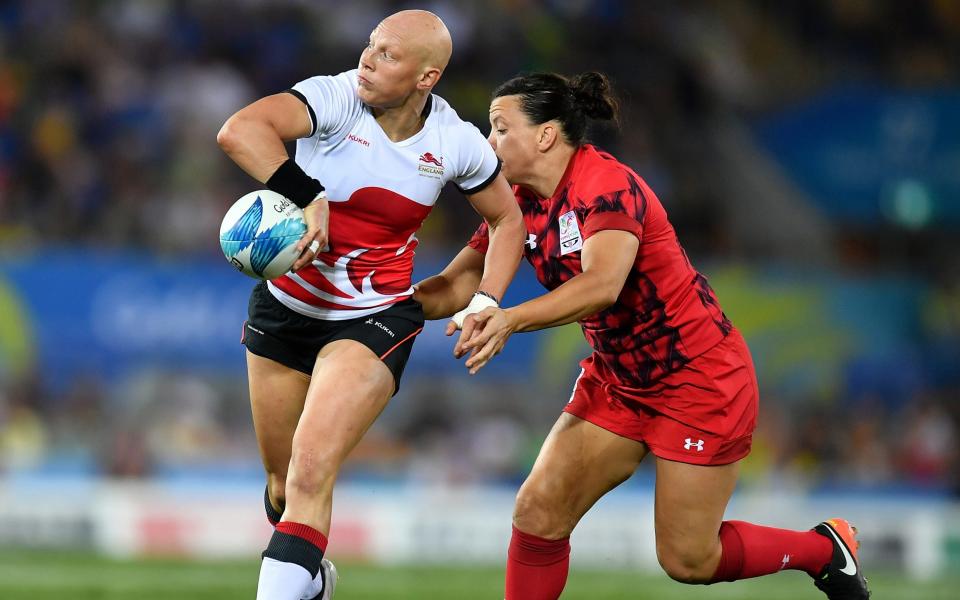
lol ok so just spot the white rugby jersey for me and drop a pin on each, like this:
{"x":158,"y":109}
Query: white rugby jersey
{"x":380,"y":192}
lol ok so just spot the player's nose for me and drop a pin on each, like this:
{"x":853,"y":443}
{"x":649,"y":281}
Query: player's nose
{"x":492,"y":140}
{"x":365,"y":64}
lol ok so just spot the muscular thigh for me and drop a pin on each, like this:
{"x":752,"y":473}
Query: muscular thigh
{"x":277,"y":396}
{"x":690,"y":502}
{"x":350,"y":387}
{"x":578,"y":463}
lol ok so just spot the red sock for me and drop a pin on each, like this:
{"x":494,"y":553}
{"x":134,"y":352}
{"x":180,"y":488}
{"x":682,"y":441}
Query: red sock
{"x":753,"y":550}
{"x":536,"y":568}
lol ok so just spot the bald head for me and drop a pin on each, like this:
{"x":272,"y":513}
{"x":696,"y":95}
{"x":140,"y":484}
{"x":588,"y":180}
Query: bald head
{"x":422,"y":32}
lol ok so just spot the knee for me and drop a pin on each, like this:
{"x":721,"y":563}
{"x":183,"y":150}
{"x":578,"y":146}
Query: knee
{"x":312,"y":472}
{"x":538,"y":512}
{"x":686,"y":563}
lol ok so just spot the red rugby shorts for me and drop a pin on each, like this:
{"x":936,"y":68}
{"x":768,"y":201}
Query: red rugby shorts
{"x":702,"y":414}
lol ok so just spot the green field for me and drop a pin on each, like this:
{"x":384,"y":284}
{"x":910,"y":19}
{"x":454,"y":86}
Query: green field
{"x":43,"y":576}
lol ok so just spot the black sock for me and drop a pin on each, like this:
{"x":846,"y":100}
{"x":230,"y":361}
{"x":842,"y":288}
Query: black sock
{"x":273,"y":515}
{"x":298,"y":544}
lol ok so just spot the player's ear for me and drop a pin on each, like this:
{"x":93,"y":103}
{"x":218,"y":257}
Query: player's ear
{"x":547,"y":134}
{"x":429,"y":78}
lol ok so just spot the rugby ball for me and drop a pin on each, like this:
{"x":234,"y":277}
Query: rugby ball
{"x":259,"y":234}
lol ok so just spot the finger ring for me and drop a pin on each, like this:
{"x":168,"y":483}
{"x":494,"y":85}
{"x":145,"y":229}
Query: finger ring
{"x":314,"y":246}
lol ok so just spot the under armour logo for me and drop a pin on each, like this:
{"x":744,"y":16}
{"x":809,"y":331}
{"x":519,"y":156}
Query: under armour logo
{"x":531,"y":241}
{"x":688,"y":443}
{"x":784,"y":561}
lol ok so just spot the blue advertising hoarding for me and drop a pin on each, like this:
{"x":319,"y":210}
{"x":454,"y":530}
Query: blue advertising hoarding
{"x":78,"y":311}
{"x":71,"y":312}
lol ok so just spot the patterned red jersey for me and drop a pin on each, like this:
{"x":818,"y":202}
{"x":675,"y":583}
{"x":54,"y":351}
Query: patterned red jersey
{"x":666,"y":314}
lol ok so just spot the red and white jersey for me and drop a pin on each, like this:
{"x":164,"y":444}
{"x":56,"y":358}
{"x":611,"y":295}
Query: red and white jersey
{"x":380,"y":192}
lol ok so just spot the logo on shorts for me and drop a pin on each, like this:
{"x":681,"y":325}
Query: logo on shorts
{"x":375,"y":323}
{"x":689,"y":443}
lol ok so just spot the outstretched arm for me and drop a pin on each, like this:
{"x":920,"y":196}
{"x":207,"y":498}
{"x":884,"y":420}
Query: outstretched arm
{"x":498,"y":207}
{"x":451,"y":289}
{"x":474,"y":281}
{"x":606,"y":258}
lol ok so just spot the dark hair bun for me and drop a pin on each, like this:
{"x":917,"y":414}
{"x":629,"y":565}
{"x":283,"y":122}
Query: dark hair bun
{"x":572,"y":102}
{"x":593,"y":96}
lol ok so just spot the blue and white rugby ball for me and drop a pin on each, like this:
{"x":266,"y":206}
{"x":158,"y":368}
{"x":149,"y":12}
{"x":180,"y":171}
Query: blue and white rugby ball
{"x":259,"y":234}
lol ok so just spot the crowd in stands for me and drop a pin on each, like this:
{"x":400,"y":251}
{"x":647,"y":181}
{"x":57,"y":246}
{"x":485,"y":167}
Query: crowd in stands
{"x":108,"y":118}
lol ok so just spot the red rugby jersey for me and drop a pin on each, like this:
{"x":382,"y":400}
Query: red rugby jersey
{"x":667,"y":313}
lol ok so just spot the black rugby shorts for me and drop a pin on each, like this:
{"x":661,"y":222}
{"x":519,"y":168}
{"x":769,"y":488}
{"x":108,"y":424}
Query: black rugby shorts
{"x":294,"y":340}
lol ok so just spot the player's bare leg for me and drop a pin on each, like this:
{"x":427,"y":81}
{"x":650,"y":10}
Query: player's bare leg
{"x":578,"y":463}
{"x":695,"y":544}
{"x":349,"y":388}
{"x":277,"y":395}
{"x":689,"y":506}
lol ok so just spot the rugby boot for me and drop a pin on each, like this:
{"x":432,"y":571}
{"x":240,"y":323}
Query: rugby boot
{"x":842,"y":578}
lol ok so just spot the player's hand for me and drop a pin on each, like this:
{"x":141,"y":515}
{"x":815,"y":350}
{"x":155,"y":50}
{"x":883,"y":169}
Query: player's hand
{"x":469,"y":329}
{"x":314,"y":241}
{"x":494,"y":327}
{"x":451,"y":329}
{"x":462,"y":320}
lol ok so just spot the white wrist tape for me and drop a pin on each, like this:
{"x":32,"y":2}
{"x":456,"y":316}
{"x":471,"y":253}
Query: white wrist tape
{"x":477,"y":304}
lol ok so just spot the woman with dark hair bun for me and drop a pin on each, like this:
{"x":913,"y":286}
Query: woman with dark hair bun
{"x":669,"y":374}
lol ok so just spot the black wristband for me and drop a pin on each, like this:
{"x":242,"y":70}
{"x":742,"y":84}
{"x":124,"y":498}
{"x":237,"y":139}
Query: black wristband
{"x":292,"y":183}
{"x":488,"y":295}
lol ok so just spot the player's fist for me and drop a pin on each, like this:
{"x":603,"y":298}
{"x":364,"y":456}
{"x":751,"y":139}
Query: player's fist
{"x":315,"y":240}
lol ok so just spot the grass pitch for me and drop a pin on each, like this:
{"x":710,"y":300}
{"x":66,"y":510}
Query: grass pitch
{"x":48,"y":576}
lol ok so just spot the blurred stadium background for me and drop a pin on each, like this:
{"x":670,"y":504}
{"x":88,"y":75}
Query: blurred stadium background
{"x":808,"y":154}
